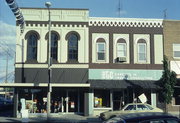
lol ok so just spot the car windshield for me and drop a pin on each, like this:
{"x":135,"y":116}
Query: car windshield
{"x":150,"y":108}
{"x":142,"y":107}
{"x":130,"y":107}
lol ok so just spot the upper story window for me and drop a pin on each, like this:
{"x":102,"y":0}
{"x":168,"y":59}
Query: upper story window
{"x":142,"y":54}
{"x":176,"y":50}
{"x":32,"y":47}
{"x":121,"y":48}
{"x":101,"y":49}
{"x":73,"y":47}
{"x":54,"y":45}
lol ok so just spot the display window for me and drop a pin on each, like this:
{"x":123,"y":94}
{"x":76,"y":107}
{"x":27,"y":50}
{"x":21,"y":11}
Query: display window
{"x":101,"y":98}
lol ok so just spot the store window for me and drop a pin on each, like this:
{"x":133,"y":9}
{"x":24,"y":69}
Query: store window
{"x":35,"y":100}
{"x":176,"y":96}
{"x":142,"y":55}
{"x":101,"y":98}
{"x":176,"y":50}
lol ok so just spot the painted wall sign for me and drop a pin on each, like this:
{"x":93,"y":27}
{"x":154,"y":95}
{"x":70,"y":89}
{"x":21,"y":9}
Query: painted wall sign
{"x":111,"y":74}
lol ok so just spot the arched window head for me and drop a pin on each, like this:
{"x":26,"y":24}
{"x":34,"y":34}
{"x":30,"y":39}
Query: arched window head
{"x":73,"y":47}
{"x":54,"y":45}
{"x":32,"y":46}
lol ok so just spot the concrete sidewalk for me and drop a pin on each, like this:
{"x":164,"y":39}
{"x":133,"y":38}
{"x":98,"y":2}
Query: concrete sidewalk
{"x":62,"y":118}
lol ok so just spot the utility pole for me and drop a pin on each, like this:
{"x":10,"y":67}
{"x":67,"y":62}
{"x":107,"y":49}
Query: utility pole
{"x":119,"y":8}
{"x":48,"y":5}
{"x":6,"y":81}
{"x":165,"y":13}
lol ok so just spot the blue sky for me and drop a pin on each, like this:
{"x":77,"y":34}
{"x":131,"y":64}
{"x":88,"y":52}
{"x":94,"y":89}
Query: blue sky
{"x":97,"y":8}
{"x":104,"y":8}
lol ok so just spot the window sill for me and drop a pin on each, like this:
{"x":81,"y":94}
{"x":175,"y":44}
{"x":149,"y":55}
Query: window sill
{"x":31,"y":62}
{"x":99,"y":108}
{"x":72,"y":62}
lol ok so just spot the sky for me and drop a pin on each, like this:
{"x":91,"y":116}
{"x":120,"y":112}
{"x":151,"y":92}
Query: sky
{"x":97,"y":8}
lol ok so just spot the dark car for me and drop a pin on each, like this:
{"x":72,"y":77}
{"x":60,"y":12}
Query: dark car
{"x":146,"y":117}
{"x":5,"y":104}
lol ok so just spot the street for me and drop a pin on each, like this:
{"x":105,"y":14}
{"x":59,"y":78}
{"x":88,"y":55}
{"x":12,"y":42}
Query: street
{"x":6,"y":116}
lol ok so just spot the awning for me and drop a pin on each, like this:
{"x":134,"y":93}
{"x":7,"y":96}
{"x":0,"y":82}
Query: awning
{"x":44,"y":85}
{"x":123,"y":84}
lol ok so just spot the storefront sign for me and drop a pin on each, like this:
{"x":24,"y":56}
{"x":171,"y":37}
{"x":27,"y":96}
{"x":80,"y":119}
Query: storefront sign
{"x":143,"y":98}
{"x":111,"y":74}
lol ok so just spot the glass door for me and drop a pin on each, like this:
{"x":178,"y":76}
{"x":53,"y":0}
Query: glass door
{"x":73,"y":101}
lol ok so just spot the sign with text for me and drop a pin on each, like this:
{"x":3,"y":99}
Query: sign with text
{"x":125,"y":74}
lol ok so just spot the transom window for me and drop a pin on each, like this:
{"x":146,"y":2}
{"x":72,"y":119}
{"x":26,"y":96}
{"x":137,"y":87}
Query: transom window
{"x":54,"y":44}
{"x":73,"y":47}
{"x":101,"y":51}
{"x":32,"y":47}
{"x":176,"y":50}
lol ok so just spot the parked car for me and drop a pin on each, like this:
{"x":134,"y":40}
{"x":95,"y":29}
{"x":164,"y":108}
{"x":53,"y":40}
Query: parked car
{"x":145,"y":117}
{"x":130,"y":108}
{"x":5,"y":103}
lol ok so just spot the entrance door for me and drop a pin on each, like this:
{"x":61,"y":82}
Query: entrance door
{"x":69,"y":100}
{"x":117,"y":100}
{"x":73,"y":101}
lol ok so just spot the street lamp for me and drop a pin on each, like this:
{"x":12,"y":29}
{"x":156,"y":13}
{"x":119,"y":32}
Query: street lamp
{"x":48,"y":4}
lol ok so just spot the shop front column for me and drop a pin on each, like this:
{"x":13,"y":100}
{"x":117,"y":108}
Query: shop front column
{"x":88,"y":105}
{"x":153,"y":99}
{"x":15,"y":107}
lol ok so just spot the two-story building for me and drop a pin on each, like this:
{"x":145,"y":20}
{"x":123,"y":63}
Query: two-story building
{"x":172,"y":51}
{"x":98,"y":64}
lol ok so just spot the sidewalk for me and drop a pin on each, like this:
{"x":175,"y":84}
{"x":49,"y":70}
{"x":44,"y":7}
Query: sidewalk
{"x":62,"y":118}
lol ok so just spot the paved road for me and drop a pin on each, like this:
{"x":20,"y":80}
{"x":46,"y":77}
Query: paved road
{"x":62,"y":118}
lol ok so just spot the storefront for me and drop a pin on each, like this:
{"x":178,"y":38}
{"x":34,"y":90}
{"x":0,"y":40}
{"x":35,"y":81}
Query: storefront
{"x":63,"y":100}
{"x":111,"y":91}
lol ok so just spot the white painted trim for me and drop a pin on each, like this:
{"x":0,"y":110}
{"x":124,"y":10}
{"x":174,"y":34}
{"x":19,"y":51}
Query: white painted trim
{"x":43,"y":85}
{"x":53,"y":66}
{"x":129,"y":22}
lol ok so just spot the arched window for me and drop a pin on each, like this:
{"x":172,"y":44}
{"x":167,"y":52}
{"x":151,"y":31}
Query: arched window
{"x":32,"y":47}
{"x":54,"y":45}
{"x":73,"y":47}
{"x":142,"y":54}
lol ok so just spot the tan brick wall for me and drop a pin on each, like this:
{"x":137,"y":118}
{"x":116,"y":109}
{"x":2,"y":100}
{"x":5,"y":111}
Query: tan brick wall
{"x":171,"y":32}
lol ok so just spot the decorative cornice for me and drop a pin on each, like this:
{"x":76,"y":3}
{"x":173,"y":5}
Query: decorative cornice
{"x":56,"y":24}
{"x":125,"y":22}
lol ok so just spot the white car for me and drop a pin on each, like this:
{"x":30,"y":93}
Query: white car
{"x":130,"y":108}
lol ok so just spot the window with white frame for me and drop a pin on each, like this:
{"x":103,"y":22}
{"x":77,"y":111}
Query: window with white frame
{"x":101,"y":51}
{"x":176,"y":50}
{"x":121,"y":50}
{"x":142,"y":52}
{"x":102,"y":98}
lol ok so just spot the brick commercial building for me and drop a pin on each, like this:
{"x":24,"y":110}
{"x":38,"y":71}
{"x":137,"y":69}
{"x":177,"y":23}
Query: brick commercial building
{"x":98,"y":64}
